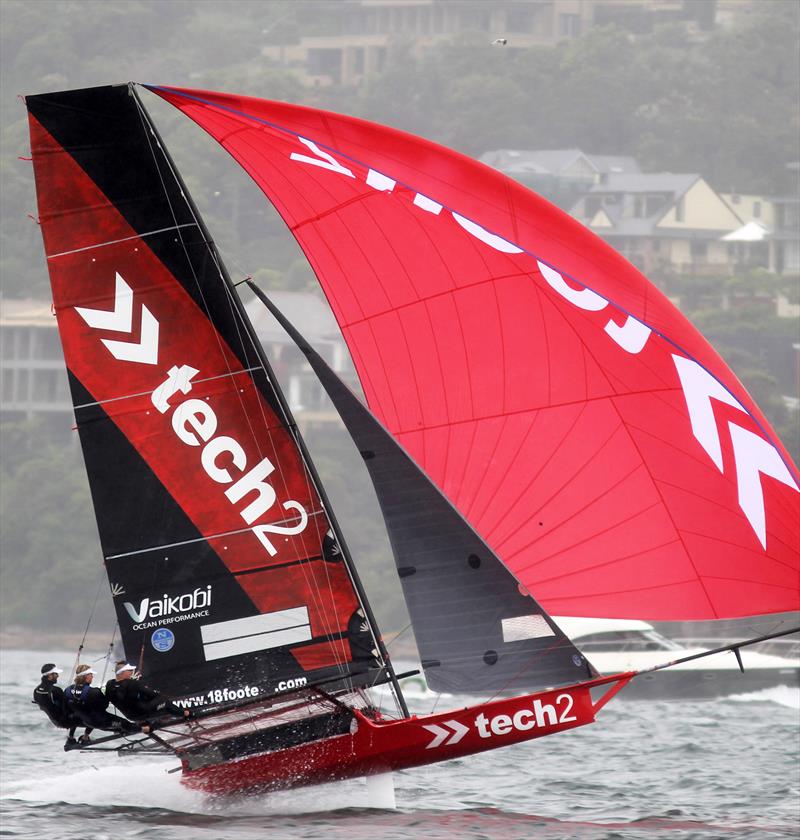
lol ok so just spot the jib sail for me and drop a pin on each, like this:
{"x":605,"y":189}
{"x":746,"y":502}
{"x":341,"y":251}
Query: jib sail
{"x":475,"y":627}
{"x":227,"y":577}
{"x":577,"y":420}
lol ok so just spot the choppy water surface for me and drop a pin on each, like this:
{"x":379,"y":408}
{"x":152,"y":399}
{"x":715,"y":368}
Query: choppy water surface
{"x":693,"y":770}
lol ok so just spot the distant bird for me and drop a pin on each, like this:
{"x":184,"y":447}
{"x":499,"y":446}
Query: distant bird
{"x":499,"y":42}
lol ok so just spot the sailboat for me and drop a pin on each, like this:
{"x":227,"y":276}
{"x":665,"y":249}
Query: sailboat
{"x":544,"y":431}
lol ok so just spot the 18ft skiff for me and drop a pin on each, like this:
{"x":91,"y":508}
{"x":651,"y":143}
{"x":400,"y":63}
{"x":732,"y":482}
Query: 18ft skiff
{"x":545,"y":432}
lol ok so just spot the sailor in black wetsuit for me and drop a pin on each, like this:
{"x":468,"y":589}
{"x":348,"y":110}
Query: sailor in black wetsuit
{"x":50,"y":699}
{"x":136,"y":700}
{"x":90,"y":704}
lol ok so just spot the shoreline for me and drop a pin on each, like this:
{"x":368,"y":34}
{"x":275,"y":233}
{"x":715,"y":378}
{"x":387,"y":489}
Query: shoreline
{"x":28,"y":638}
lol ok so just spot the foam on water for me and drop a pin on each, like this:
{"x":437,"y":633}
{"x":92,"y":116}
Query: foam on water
{"x":783,"y":695}
{"x":135,"y":784}
{"x":644,"y":771}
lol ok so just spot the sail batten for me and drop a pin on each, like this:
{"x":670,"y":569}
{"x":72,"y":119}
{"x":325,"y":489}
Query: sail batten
{"x":548,"y":389}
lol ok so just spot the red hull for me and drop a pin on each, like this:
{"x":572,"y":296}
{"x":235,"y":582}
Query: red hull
{"x":380,"y":746}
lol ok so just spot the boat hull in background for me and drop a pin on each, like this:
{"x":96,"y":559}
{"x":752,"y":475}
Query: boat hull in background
{"x":708,"y":683}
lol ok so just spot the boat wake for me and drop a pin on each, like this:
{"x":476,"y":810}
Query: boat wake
{"x":783,"y":695}
{"x":150,"y":786}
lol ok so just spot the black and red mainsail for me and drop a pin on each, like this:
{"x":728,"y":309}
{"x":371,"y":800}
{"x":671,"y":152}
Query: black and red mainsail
{"x":227,"y":575}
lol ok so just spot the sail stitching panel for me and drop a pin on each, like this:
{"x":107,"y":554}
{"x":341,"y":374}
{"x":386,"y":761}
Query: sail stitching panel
{"x":118,"y":241}
{"x":198,"y":381}
{"x":215,"y":536}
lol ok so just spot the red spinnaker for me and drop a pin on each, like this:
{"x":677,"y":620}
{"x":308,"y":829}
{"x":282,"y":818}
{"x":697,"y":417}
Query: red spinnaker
{"x":572,"y":414}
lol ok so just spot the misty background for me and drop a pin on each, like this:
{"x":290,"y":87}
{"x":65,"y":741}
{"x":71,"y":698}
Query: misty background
{"x":710,"y":87}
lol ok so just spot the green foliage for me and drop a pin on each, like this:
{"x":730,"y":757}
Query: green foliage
{"x":49,"y":549}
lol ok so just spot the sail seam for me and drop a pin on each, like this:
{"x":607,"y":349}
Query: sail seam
{"x":204,"y":538}
{"x":148,"y":393}
{"x":124,"y":239}
{"x":256,"y":569}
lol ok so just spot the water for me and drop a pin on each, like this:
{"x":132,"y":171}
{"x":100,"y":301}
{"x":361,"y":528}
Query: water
{"x":660,"y":770}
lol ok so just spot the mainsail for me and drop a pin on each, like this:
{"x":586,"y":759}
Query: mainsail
{"x":228,"y":576}
{"x":588,"y":432}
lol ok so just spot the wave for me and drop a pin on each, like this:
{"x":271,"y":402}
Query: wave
{"x":783,"y":695}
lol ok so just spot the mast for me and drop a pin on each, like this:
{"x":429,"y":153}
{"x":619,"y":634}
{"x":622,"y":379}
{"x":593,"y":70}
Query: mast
{"x":288,"y":417}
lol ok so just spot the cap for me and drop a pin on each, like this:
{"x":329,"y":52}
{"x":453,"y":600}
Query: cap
{"x":123,"y":668}
{"x":50,"y":668}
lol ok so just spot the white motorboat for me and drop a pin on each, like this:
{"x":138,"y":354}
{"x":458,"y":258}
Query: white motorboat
{"x":614,"y":645}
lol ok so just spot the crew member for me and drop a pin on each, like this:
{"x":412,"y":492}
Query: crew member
{"x":50,"y":699}
{"x":90,"y":704}
{"x":136,"y":700}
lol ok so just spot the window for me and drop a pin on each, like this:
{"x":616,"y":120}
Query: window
{"x":679,"y":210}
{"x":756,"y":209}
{"x":698,"y":250}
{"x":652,"y":204}
{"x":7,"y":343}
{"x":47,"y":344}
{"x":638,"y":207}
{"x":519,"y":20}
{"x":591,"y":205}
{"x":6,"y":384}
{"x":43,"y":386}
{"x":21,"y":391}
{"x":569,"y":25}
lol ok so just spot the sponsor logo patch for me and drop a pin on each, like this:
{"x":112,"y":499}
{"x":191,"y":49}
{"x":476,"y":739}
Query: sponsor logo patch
{"x":163,"y":640}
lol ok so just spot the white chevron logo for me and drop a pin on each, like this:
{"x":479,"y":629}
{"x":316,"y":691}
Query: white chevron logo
{"x":120,"y":319}
{"x":444,"y":737}
{"x":751,"y":453}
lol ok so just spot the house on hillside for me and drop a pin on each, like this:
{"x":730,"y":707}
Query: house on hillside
{"x":662,"y":222}
{"x":33,"y":377}
{"x":560,"y":175}
{"x":346,"y":41}
{"x":785,"y":241}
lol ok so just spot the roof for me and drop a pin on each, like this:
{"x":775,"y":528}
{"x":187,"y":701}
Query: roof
{"x":555,"y":161}
{"x":751,"y":232}
{"x":647,"y":182}
{"x":672,"y":186}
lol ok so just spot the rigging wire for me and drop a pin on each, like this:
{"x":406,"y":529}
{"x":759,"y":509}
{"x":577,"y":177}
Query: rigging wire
{"x":86,"y":629}
{"x":109,"y":652}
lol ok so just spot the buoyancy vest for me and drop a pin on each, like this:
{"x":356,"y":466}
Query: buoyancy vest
{"x":77,"y":698}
